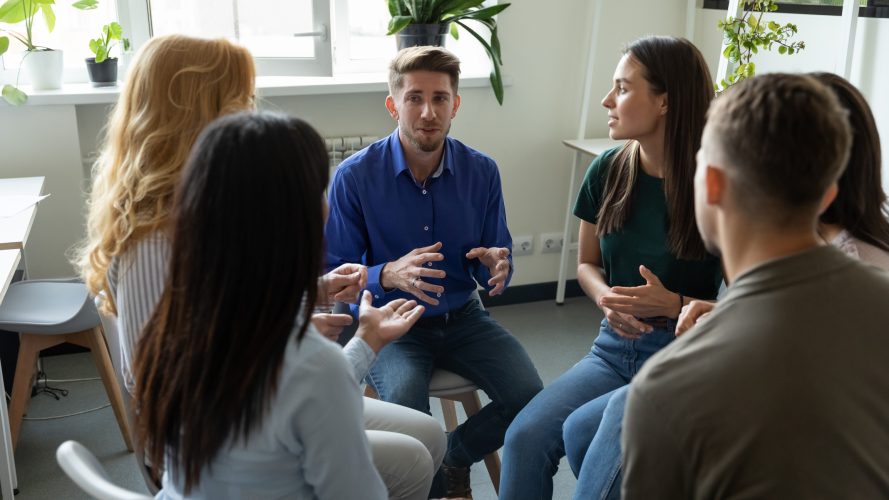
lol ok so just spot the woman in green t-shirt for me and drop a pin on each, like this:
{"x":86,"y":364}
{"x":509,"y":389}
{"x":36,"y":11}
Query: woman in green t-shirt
{"x":636,"y":207}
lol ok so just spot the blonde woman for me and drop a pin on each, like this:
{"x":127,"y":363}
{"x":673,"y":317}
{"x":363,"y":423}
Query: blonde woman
{"x":176,"y":86}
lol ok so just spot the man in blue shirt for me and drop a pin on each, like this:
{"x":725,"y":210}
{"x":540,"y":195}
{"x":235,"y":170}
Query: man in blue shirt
{"x":425,"y":214}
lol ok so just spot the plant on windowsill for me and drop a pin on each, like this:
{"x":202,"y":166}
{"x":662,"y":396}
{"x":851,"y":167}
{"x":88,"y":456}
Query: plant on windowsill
{"x":427,"y":22}
{"x":103,"y":68}
{"x":44,"y":64}
{"x":745,"y":35}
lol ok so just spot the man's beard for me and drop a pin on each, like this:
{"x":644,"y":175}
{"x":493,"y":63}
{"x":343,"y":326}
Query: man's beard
{"x":426,"y":147}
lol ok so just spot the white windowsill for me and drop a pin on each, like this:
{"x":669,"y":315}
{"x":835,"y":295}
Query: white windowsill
{"x":267,"y":86}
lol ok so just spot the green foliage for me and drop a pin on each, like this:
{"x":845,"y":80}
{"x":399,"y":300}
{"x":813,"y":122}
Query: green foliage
{"x":102,"y":46}
{"x":454,"y":12}
{"x":745,"y":35}
{"x":24,"y":11}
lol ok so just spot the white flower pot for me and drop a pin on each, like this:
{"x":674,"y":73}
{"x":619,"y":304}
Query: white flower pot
{"x":45,"y":69}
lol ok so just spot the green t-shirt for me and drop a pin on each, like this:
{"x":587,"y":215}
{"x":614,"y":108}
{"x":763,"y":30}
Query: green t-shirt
{"x":643,"y":238}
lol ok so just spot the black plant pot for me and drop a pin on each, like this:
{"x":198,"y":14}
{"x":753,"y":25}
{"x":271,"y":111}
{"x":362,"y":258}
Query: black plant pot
{"x":103,"y":74}
{"x":414,"y":35}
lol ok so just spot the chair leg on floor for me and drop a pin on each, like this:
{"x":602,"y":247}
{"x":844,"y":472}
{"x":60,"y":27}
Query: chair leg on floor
{"x":449,"y":411}
{"x":473,"y":404}
{"x":106,"y":372}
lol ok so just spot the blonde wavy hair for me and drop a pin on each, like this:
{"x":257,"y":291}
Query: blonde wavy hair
{"x":175,"y":87}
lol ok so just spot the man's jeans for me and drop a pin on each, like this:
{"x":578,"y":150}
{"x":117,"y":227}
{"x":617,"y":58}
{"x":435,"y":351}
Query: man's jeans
{"x":567,"y":415}
{"x":469,"y":343}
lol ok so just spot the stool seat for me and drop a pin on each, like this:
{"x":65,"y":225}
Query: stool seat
{"x":47,"y":308}
{"x":445,"y":383}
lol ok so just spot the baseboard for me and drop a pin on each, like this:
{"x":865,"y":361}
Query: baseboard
{"x":531,"y":293}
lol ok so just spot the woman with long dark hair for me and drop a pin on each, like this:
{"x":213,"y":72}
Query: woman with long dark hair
{"x":636,"y":207}
{"x":858,"y":219}
{"x":236,"y":391}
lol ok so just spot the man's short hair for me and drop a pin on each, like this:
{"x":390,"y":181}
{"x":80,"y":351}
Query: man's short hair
{"x":425,"y":58}
{"x":783,"y":138}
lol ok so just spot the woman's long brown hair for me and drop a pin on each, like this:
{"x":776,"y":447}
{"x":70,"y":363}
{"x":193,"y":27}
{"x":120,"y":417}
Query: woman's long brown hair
{"x":860,"y":206}
{"x":246,"y":254}
{"x":676,"y":67}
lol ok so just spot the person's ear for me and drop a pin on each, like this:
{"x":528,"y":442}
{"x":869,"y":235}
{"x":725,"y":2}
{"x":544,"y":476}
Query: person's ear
{"x":715,"y":182}
{"x":829,"y":196}
{"x":390,"y":106}
{"x":456,"y":105}
{"x":662,"y":104}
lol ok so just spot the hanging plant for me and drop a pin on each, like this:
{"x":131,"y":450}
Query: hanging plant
{"x":746,"y":35}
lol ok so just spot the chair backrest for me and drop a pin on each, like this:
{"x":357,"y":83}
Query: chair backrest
{"x":87,"y":473}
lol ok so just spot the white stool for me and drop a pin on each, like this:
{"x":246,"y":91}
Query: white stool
{"x":450,"y":387}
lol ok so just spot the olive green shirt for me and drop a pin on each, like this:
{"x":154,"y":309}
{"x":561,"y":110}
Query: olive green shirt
{"x":782,"y":393}
{"x":643,"y":238}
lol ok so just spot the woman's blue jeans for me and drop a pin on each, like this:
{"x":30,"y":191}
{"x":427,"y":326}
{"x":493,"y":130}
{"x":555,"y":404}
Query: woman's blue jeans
{"x":573,"y":416}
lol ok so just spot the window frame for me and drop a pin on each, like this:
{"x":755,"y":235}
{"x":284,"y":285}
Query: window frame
{"x":874,"y":8}
{"x":135,"y":17}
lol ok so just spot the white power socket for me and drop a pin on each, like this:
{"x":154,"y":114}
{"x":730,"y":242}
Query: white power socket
{"x":551,"y":242}
{"x":523,"y":245}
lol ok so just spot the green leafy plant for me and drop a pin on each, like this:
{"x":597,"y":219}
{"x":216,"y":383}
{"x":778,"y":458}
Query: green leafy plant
{"x":745,"y":35}
{"x":13,"y":12}
{"x":455,"y":13}
{"x":102,"y":46}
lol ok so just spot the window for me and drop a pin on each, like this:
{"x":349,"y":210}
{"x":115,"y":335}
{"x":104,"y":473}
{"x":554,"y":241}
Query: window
{"x":869,"y":8}
{"x":286,"y":37}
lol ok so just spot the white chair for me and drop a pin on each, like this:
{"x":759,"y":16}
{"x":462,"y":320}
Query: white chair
{"x":85,"y":470}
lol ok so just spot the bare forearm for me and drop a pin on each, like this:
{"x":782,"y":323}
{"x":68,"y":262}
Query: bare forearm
{"x":592,"y":281}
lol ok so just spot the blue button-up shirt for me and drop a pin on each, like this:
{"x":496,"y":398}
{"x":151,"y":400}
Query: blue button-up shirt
{"x":378,"y":213}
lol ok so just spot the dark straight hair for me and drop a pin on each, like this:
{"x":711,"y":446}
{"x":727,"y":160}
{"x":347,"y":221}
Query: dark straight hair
{"x":860,"y":206}
{"x":246,"y":255}
{"x":676,"y":67}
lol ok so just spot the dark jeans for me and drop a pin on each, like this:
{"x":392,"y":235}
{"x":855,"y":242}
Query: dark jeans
{"x":469,"y":343}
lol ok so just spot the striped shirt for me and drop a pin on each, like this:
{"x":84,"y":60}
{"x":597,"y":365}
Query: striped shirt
{"x":136,"y":279}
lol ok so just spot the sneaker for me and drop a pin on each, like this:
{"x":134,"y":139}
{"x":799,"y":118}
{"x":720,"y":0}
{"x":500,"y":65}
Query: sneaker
{"x":457,"y":479}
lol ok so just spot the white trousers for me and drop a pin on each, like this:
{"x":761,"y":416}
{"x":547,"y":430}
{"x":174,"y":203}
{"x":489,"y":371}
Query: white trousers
{"x":407,"y":447}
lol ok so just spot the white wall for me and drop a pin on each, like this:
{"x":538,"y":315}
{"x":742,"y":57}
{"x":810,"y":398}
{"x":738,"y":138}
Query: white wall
{"x":544,"y":57}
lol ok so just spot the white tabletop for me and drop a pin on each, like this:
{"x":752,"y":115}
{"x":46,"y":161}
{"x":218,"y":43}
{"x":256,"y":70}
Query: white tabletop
{"x":593,"y":147}
{"x":14,"y":230}
{"x":9,"y":261}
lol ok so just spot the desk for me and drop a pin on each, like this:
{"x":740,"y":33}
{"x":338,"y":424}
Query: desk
{"x":581,"y":147}
{"x":9,"y":260}
{"x":14,"y":230}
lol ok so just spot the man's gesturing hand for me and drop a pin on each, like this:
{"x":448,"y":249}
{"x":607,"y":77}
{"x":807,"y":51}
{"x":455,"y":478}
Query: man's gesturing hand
{"x":497,"y":261}
{"x":407,"y":273}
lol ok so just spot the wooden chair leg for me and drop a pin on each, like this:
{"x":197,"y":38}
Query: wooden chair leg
{"x":449,"y":410}
{"x":30,"y":346}
{"x":106,"y":372}
{"x":21,"y":386}
{"x":370,"y":392}
{"x":472,"y":404}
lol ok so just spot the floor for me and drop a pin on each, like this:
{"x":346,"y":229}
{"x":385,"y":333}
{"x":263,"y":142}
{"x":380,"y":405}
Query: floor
{"x":555,"y":337}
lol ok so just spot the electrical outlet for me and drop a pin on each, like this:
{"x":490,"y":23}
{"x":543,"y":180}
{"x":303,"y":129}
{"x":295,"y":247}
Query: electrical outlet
{"x":523,"y":245}
{"x":551,"y":242}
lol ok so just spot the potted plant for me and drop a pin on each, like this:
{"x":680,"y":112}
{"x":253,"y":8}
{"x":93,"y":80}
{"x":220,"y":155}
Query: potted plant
{"x":427,"y":22}
{"x":745,"y":35}
{"x":44,"y":64}
{"x":103,"y":68}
